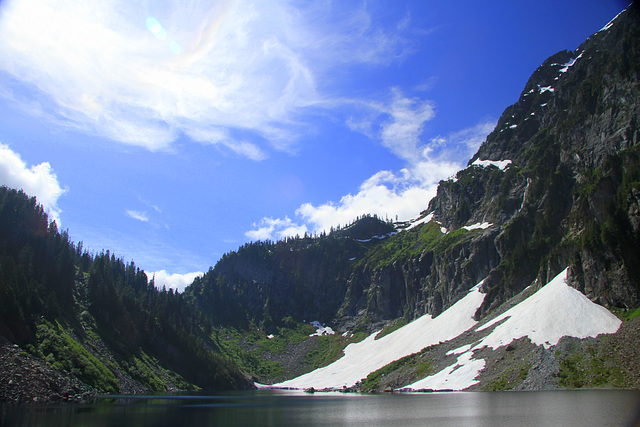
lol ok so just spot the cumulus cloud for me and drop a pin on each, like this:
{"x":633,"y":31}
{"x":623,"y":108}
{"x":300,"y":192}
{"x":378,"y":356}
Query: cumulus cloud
{"x":146,"y":73}
{"x":174,"y":281}
{"x":38,"y":180}
{"x":403,"y":194}
{"x":275,"y":229}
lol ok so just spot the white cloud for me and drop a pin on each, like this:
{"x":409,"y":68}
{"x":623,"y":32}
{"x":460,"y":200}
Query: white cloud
{"x":401,"y":132}
{"x":138,"y":215}
{"x":207,"y":70}
{"x":389,"y":194}
{"x":175,"y":281}
{"x":38,"y":180}
{"x":384,"y":194}
{"x":275,"y":229}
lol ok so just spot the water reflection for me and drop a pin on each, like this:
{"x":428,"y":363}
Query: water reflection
{"x":278,"y":408}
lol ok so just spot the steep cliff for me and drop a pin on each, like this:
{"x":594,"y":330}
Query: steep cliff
{"x":556,"y":184}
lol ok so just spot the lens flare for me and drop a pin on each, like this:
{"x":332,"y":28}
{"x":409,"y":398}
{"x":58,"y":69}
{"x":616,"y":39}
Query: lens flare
{"x":156,"y":28}
{"x":174,"y":47}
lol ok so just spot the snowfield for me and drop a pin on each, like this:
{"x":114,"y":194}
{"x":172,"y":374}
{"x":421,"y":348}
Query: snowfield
{"x":554,"y":311}
{"x":364,"y":357}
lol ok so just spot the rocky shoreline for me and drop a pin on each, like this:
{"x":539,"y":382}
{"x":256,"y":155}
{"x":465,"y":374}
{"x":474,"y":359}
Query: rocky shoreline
{"x":25,"y":379}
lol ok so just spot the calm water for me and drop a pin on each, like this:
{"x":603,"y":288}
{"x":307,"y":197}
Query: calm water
{"x":280,"y":408}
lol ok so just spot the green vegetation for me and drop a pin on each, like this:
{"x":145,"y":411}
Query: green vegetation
{"x":252,"y":349}
{"x":90,"y":315}
{"x":63,"y":353}
{"x":413,"y":364}
{"x":411,"y":244}
{"x":626,"y":315}
{"x":510,"y":378}
{"x":589,"y":370}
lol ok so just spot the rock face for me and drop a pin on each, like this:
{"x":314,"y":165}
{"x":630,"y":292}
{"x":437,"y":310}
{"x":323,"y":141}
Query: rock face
{"x":570,"y":193}
{"x":556,"y":184}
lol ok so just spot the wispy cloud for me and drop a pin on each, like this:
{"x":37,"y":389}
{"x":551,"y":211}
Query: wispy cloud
{"x":38,"y":180}
{"x":205,"y":70}
{"x":137,"y":215}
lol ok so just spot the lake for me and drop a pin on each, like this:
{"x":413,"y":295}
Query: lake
{"x":285,"y":408}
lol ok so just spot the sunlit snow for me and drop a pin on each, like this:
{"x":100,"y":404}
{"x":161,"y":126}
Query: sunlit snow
{"x":570,"y":63}
{"x":423,"y":220}
{"x":554,"y":311}
{"x":364,"y":357}
{"x":321,"y":329}
{"x":545,"y":89}
{"x":478,"y":226}
{"x":457,"y":376}
{"x":500,"y":164}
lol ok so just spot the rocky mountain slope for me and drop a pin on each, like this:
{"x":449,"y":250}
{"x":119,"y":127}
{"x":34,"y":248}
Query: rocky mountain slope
{"x":556,"y":185}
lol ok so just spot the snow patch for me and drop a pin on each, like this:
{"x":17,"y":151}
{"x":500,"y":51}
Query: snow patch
{"x":606,"y":27}
{"x":546,"y":89}
{"x":321,"y":330}
{"x":459,"y":350}
{"x":500,"y":164}
{"x":513,"y":126}
{"x":384,"y":236}
{"x":419,"y":221}
{"x":364,"y":357}
{"x":478,"y":226}
{"x":554,"y":311}
{"x":566,"y":66}
{"x":458,"y":376}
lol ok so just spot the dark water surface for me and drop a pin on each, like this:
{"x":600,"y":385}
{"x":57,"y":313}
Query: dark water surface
{"x":282,"y":408}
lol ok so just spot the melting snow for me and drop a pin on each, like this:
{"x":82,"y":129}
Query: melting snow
{"x":419,"y":221}
{"x":545,"y":89}
{"x":500,"y":164}
{"x":377,"y":237}
{"x":321,"y":330}
{"x":606,"y":27}
{"x":478,"y":226}
{"x":570,"y":63}
{"x":554,"y":311}
{"x":364,"y":357}
{"x":458,"y":376}
{"x":459,"y":350}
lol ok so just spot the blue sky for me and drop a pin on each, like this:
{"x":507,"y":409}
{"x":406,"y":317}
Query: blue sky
{"x":173,"y":132}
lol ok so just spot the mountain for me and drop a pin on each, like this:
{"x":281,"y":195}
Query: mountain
{"x":554,"y":187}
{"x":73,"y":324}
